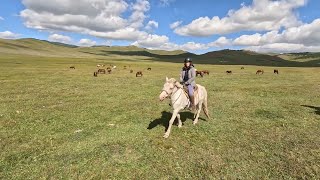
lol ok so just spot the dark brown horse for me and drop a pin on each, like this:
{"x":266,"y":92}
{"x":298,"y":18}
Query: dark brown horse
{"x":276,"y":71}
{"x":149,"y":69}
{"x":101,"y":71}
{"x":95,"y":74}
{"x":242,"y":67}
{"x":131,"y":71}
{"x":139,"y":74}
{"x":199,"y":73}
{"x":109,"y":71}
{"x":72,"y":67}
{"x":206,"y":72}
{"x":260,"y":71}
{"x":229,"y":72}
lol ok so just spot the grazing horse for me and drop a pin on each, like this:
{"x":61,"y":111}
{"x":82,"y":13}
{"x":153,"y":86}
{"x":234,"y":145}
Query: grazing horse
{"x":95,"y":74}
{"x":72,"y":67}
{"x":229,"y":72}
{"x":131,"y":71}
{"x":206,"y":72}
{"x":199,"y":73}
{"x":101,"y":71}
{"x":276,"y":71}
{"x":149,"y":69}
{"x":260,"y":72}
{"x":139,"y":74}
{"x":242,"y":67}
{"x":109,"y":71}
{"x":179,"y":100}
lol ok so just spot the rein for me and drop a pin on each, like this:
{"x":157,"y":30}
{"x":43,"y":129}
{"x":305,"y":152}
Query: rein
{"x":173,"y":93}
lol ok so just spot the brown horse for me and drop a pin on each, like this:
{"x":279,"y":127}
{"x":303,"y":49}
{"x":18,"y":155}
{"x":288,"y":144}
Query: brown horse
{"x":229,"y":72}
{"x":149,"y":69}
{"x":206,"y":72}
{"x":72,"y":67}
{"x":131,"y":71}
{"x":242,"y":67}
{"x":109,"y":71}
{"x":260,"y":72}
{"x":124,"y":67}
{"x":101,"y":71}
{"x":95,"y":74}
{"x":139,"y":74}
{"x":199,"y":73}
{"x":276,"y":71}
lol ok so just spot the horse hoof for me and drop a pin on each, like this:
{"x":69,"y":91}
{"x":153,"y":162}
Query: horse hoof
{"x":166,"y":136}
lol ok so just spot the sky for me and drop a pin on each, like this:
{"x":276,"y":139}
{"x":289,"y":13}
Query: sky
{"x":196,"y":26}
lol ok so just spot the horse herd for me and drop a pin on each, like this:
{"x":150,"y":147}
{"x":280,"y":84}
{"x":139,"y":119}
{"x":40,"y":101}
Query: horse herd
{"x":260,"y":71}
{"x":102,"y":70}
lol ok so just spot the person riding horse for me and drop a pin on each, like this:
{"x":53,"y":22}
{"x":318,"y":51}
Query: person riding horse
{"x":187,"y":78}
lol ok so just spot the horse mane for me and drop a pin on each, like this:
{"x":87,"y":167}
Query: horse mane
{"x":175,"y":82}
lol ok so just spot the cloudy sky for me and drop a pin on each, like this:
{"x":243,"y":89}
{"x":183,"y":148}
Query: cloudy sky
{"x":196,"y":26}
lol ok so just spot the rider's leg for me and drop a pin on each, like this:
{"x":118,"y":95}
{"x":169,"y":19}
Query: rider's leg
{"x":190,"y":90}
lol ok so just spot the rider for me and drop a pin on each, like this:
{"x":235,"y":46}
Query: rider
{"x":187,"y":77}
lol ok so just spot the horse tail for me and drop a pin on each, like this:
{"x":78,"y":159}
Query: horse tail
{"x":205,"y":106}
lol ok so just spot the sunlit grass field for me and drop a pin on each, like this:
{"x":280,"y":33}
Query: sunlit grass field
{"x":59,"y":123}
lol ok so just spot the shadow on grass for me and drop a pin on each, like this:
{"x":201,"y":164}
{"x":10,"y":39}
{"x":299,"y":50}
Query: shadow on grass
{"x":317,"y":109}
{"x":166,"y":116}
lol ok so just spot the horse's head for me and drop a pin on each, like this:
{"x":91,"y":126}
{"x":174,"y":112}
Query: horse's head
{"x":168,"y":88}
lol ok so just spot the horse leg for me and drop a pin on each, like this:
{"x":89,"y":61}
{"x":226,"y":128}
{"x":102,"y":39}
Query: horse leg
{"x":198,"y":113}
{"x":179,"y":121}
{"x":174,"y":114}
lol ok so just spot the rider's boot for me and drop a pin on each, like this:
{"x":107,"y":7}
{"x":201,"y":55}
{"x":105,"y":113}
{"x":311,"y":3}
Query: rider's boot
{"x":192,"y":106}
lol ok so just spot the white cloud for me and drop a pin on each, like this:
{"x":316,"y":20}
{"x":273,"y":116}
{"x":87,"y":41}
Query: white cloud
{"x":283,"y":48}
{"x":302,"y":38}
{"x":129,"y":34}
{"x":152,"y":25}
{"x":152,"y":41}
{"x":163,"y":43}
{"x":1,"y":18}
{"x":87,"y":42}
{"x":192,"y":46}
{"x":8,"y":35}
{"x":94,"y":17}
{"x":138,"y":15}
{"x":262,"y":15}
{"x":305,"y":35}
{"x":60,"y":38}
{"x":175,"y":24}
{"x":221,"y":42}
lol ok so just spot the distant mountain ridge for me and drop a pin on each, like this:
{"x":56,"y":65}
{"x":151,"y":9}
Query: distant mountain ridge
{"x":35,"y":47}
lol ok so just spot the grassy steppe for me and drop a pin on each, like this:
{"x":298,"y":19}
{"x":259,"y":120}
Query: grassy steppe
{"x":58,"y":123}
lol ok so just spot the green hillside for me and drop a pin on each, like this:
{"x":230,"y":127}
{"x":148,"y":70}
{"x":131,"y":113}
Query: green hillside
{"x":34,"y":47}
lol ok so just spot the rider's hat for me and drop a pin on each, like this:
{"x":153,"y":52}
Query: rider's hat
{"x":187,"y":60}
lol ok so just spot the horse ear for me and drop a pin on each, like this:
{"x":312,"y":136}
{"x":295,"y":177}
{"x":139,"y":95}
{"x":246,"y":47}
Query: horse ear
{"x":167,"y":79}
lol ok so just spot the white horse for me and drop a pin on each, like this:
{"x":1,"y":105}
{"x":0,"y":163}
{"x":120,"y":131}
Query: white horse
{"x":180,"y":101}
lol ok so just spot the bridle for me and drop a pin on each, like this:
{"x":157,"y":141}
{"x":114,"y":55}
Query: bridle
{"x":172,"y":93}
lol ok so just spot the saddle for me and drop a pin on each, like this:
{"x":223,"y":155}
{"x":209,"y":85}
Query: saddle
{"x":195,"y":92}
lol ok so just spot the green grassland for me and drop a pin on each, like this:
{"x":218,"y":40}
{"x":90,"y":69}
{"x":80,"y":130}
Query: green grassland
{"x":59,"y":123}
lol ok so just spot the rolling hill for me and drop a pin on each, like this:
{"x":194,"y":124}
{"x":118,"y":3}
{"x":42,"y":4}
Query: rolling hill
{"x":35,"y":47}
